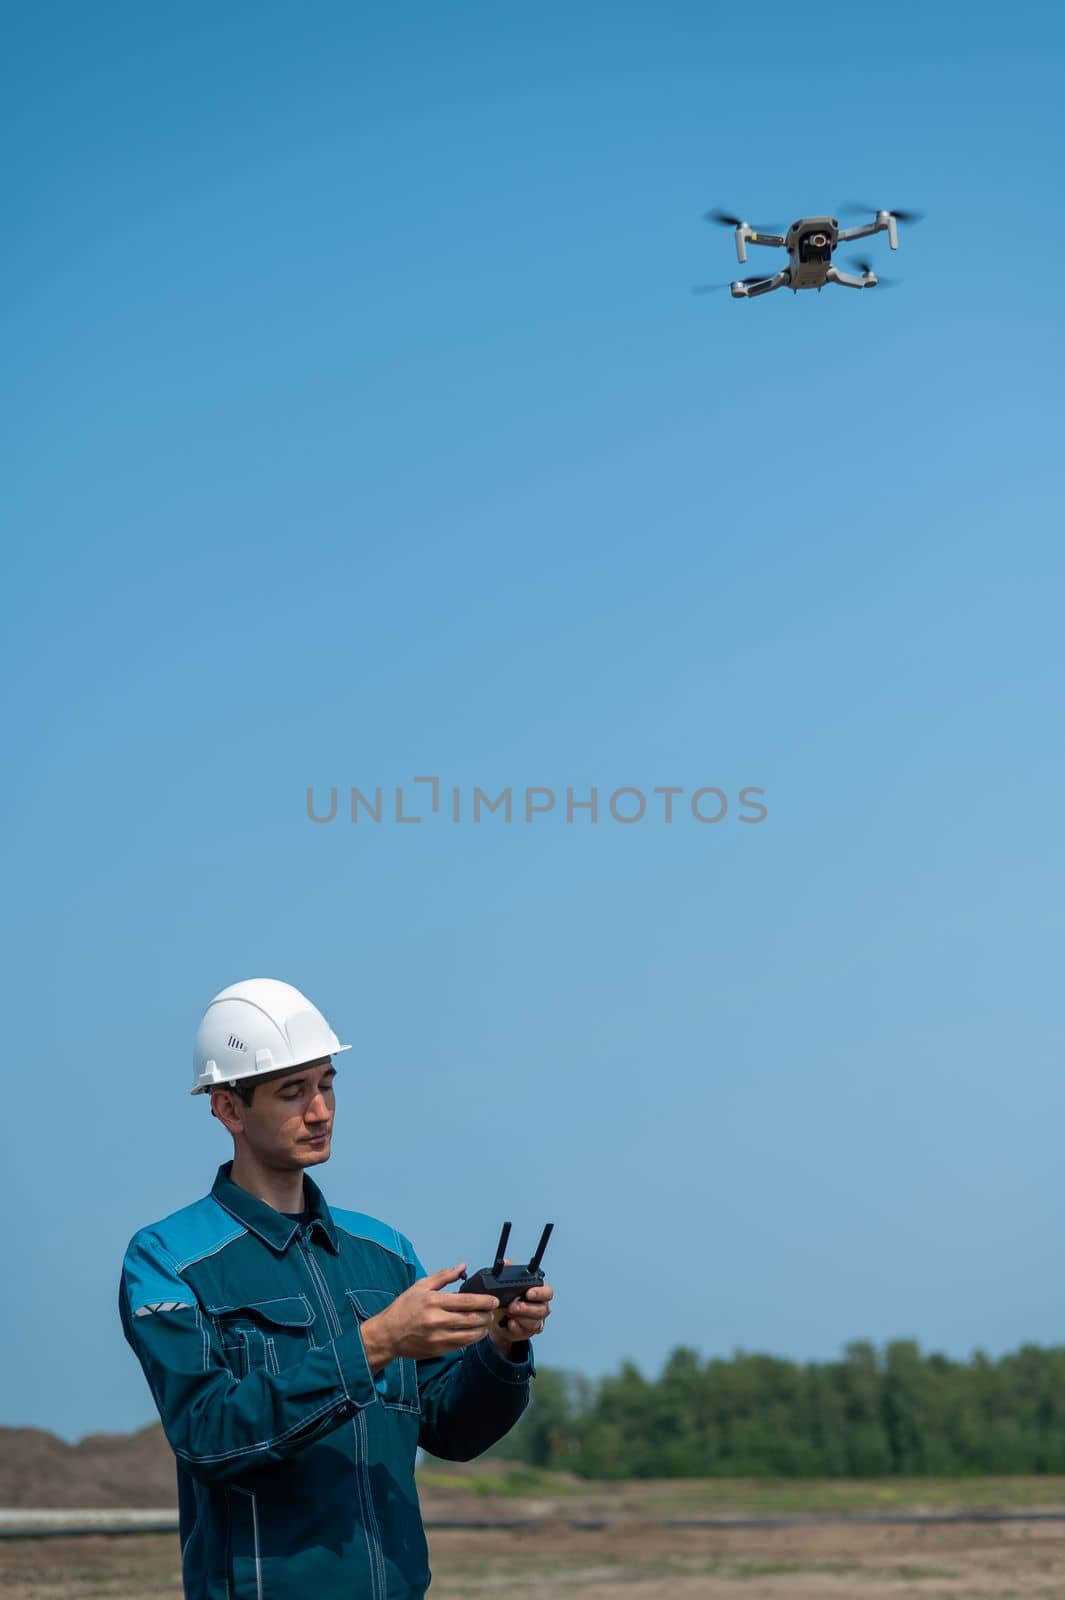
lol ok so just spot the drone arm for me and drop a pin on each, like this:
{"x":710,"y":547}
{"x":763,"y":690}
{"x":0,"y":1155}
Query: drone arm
{"x":746,"y":235}
{"x":885,"y":223}
{"x":748,"y":291}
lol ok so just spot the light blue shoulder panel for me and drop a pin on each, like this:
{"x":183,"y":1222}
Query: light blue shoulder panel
{"x":159,"y":1254}
{"x":361,"y":1226}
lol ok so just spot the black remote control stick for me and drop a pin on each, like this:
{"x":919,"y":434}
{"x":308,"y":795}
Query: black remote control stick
{"x":508,"y":1283}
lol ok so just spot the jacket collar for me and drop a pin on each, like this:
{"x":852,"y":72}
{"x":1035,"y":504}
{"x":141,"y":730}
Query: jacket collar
{"x":273,"y":1227}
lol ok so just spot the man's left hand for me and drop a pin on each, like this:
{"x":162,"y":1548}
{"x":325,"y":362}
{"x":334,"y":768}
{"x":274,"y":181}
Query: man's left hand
{"x":523,"y":1319}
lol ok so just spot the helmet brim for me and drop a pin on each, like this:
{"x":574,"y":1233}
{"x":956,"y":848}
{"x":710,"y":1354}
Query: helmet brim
{"x":264,"y":1077}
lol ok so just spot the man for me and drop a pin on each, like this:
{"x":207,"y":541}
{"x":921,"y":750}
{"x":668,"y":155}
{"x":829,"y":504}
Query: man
{"x":300,"y":1355}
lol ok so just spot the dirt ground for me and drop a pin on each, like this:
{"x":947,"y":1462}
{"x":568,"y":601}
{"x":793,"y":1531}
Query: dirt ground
{"x":633,"y":1560}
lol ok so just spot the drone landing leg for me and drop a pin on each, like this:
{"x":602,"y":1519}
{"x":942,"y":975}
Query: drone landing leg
{"x":847,"y":280}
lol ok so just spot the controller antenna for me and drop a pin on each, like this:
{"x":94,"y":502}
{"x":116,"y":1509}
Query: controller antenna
{"x":497,"y":1265}
{"x":534,"y":1264}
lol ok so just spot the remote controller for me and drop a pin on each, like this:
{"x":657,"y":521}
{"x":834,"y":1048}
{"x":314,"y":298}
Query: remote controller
{"x":507,"y":1283}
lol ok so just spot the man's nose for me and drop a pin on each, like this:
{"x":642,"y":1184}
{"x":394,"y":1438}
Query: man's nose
{"x":318,"y":1111}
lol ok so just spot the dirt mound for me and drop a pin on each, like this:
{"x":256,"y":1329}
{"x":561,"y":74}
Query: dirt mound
{"x":101,"y":1470}
{"x":129,"y":1471}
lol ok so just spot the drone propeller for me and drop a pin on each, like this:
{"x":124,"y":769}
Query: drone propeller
{"x":865,"y":267}
{"x":727,"y":220}
{"x":855,"y":208}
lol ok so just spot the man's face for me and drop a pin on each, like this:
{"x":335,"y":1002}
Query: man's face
{"x":289,"y":1124}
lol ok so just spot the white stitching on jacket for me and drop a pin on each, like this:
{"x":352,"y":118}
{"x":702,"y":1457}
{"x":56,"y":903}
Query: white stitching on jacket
{"x":262,"y":1444}
{"x":191,"y":1262}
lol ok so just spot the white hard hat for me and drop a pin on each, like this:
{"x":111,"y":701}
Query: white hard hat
{"x":258,"y":1026}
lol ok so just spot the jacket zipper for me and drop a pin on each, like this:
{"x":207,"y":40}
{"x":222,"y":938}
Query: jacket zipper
{"x":372,"y":1530}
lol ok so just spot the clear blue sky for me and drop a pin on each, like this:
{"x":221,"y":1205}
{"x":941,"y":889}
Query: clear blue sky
{"x":362,"y":424}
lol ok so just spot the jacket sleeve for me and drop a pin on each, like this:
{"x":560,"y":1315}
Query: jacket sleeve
{"x":471,"y":1399}
{"x":222,"y":1427}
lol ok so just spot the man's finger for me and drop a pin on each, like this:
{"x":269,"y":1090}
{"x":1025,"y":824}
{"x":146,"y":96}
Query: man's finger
{"x":527,"y":1311}
{"x":437,"y":1280}
{"x":468,"y":1302}
{"x":471,"y":1319}
{"x":517,"y":1328}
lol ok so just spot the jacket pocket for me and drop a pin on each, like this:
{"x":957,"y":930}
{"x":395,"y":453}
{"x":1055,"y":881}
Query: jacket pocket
{"x":397,"y":1384}
{"x":264,"y":1335}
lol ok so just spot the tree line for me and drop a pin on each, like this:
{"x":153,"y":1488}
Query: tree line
{"x":873,"y":1413}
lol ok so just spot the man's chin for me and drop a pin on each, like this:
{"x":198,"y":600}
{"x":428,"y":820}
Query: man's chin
{"x":309,"y":1152}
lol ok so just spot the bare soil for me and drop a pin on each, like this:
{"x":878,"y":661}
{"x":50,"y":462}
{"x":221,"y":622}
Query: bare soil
{"x":638,"y":1562}
{"x":633,"y":1560}
{"x":630,"y":1556}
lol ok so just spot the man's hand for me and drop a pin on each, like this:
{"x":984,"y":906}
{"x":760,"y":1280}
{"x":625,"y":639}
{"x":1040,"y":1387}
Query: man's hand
{"x":423,"y":1322}
{"x":523,"y":1319}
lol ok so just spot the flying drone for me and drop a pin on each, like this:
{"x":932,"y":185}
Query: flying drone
{"x":811,"y":243}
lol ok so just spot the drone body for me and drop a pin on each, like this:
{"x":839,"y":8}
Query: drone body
{"x":811,"y":243}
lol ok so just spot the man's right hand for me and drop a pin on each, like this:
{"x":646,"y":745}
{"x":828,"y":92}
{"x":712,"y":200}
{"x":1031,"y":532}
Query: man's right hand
{"x":423,"y":1322}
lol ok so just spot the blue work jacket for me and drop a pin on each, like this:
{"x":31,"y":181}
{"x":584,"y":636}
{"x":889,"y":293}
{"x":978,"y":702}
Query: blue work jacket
{"x":295,"y":1465}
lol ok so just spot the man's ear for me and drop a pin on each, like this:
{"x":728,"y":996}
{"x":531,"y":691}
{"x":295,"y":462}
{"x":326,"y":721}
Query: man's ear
{"x":229,"y":1109}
